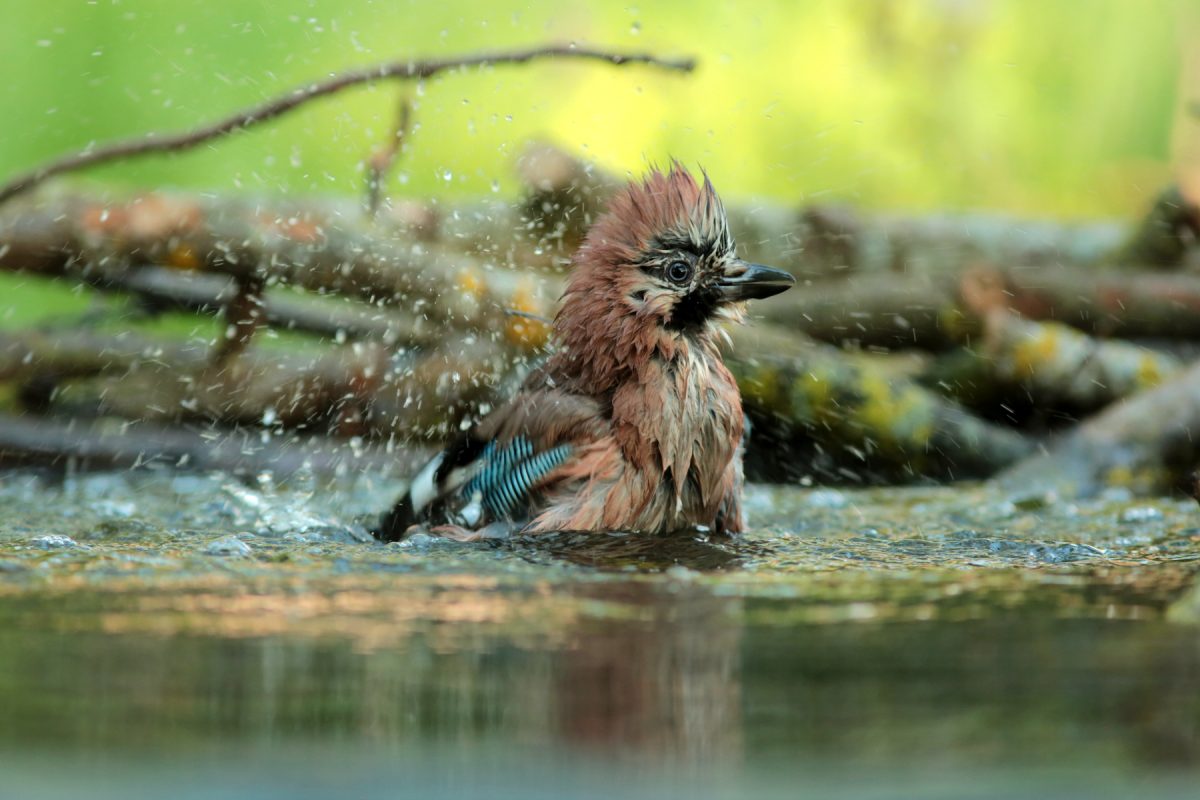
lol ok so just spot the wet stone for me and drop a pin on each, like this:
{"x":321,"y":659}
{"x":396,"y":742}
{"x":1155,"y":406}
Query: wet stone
{"x":114,"y":508}
{"x":420,"y":541}
{"x":1033,"y":501}
{"x":227,"y":546}
{"x":1140,"y":514}
{"x":305,"y":537}
{"x":1061,"y":553}
{"x":827,"y":498}
{"x":54,"y":541}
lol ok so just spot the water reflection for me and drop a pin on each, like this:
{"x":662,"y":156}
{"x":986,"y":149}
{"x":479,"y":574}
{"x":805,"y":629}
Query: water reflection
{"x":663,"y":679}
{"x":659,"y":671}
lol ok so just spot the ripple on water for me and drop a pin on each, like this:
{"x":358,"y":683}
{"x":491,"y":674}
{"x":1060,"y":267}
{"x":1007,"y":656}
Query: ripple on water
{"x":809,"y":538}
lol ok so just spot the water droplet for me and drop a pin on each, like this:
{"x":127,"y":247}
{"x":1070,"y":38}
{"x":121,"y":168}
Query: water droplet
{"x":635,"y":28}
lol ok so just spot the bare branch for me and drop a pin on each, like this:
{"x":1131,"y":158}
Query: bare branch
{"x":381,"y":160}
{"x":275,"y":107}
{"x":244,"y":315}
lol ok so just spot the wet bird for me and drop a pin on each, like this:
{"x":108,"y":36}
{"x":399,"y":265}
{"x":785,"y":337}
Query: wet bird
{"x":634,"y":423}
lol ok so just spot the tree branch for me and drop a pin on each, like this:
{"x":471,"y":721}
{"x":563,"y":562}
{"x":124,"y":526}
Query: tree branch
{"x":381,"y":160}
{"x":275,"y":107}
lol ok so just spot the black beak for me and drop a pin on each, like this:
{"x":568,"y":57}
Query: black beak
{"x":755,"y":283}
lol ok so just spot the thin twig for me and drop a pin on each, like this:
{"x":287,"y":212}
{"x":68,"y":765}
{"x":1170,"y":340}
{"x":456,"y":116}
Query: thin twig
{"x":399,"y":70}
{"x":381,"y":160}
{"x":244,"y":315}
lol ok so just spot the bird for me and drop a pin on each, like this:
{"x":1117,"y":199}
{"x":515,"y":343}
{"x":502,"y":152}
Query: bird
{"x":633,"y":423}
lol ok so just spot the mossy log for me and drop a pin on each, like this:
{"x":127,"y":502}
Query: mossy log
{"x":1147,"y":443}
{"x":856,"y":418}
{"x":863,"y":415}
{"x":1048,"y":366}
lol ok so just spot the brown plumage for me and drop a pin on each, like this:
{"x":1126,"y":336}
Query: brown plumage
{"x":634,"y":423}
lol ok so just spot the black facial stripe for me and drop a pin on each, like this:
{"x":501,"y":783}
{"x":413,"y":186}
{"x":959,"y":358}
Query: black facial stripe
{"x":694,"y":309}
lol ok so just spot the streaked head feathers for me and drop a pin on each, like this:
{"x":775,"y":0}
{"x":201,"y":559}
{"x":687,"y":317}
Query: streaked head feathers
{"x":659,"y":267}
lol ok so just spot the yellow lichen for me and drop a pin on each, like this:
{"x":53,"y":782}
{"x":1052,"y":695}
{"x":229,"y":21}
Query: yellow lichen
{"x":894,"y":418}
{"x":526,"y":332}
{"x":1032,"y":353}
{"x":182,"y":256}
{"x":470,"y":282}
{"x":1149,"y":372}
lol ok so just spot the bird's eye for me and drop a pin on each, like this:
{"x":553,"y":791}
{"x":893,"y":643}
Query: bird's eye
{"x":679,"y":272}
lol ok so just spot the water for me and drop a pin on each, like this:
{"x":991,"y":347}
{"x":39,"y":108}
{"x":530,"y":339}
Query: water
{"x":193,"y":636}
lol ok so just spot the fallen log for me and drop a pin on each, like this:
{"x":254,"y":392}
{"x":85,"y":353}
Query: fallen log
{"x":357,"y":389}
{"x":918,"y":312}
{"x":854,"y":418}
{"x":945,"y":312}
{"x":1146,"y":443}
{"x":1112,"y":303}
{"x":1048,"y":366}
{"x":73,"y":353}
{"x":121,"y":444}
{"x":159,"y":289}
{"x":427,"y":287}
{"x":100,"y":241}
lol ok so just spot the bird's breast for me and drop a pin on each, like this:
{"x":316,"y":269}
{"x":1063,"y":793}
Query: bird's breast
{"x":680,"y":424}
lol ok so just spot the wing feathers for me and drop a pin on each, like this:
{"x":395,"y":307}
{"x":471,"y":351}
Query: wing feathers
{"x":490,"y":472}
{"x":507,"y":494}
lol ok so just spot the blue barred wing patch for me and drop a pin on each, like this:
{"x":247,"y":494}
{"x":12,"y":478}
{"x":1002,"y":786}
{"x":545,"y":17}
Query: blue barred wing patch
{"x":508,"y":472}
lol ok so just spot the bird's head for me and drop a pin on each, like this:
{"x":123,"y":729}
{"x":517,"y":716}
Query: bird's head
{"x":659,"y":265}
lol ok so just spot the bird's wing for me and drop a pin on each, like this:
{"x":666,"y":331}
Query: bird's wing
{"x":488,"y":472}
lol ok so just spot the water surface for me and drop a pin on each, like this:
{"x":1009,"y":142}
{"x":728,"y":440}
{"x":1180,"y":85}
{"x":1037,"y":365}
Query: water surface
{"x":155,"y":628}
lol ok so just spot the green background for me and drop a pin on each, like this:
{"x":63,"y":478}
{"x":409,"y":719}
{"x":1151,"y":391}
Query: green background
{"x":1045,"y":107}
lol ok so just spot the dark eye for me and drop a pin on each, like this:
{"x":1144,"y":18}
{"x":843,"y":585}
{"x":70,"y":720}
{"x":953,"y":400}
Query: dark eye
{"x":679,"y":272}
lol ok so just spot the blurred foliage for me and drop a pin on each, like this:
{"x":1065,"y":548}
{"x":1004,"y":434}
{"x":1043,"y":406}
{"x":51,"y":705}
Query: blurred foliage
{"x":1055,"y":107}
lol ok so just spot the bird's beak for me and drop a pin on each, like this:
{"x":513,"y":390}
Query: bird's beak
{"x":754,"y":283}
